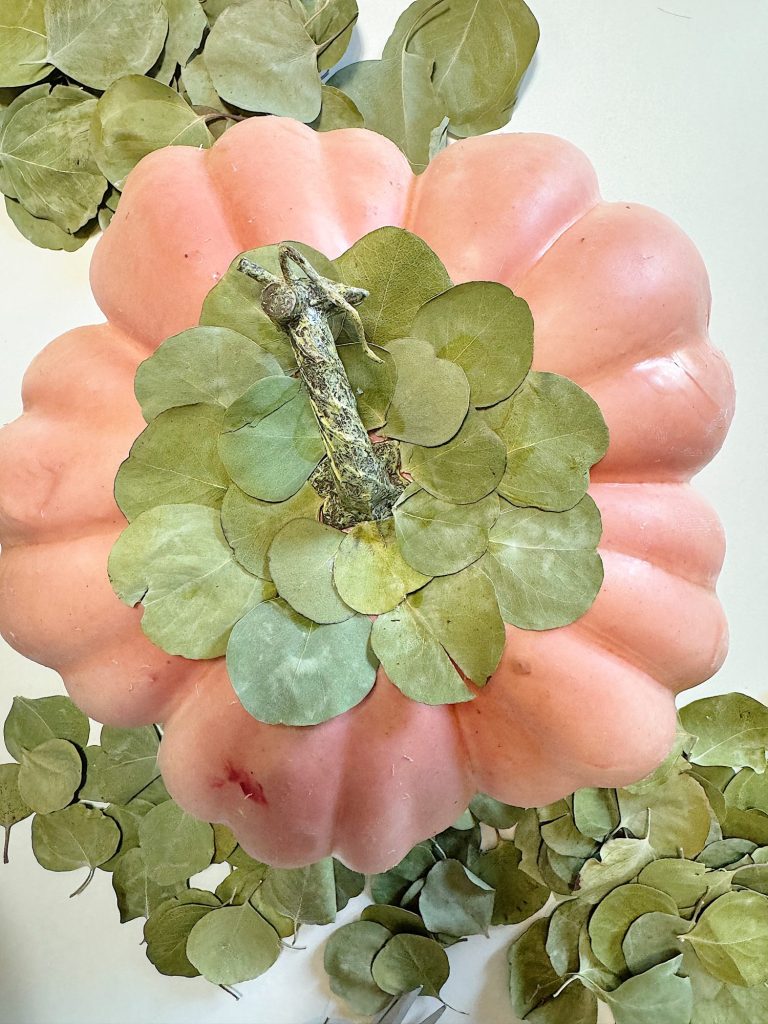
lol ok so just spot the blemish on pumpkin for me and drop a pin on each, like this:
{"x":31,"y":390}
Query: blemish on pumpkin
{"x":250,"y":789}
{"x":520,"y":668}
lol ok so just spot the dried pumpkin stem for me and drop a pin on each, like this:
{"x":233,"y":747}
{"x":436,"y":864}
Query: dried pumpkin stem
{"x":360,"y":481}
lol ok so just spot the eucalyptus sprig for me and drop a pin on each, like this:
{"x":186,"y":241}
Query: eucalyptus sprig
{"x":87,"y":88}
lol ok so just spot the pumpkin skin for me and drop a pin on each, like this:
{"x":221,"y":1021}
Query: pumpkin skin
{"x":620,"y":300}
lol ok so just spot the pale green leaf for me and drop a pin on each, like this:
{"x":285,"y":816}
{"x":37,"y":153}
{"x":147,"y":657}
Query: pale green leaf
{"x":23,"y":43}
{"x":464,"y":469}
{"x":683,"y":880}
{"x":306,"y":895}
{"x":301,"y":561}
{"x":532,"y":978}
{"x":44,"y":233}
{"x":658,"y":995}
{"x":373,"y":384}
{"x":166,"y":933}
{"x":517,"y":895}
{"x":456,"y":902}
{"x":613,"y":916}
{"x":731,"y":729}
{"x":175,"y":845}
{"x":232,"y":945}
{"x":565,"y":926}
{"x":13,"y":809}
{"x":130,"y":764}
{"x":409,"y":962}
{"x":32,"y":721}
{"x":620,"y":861}
{"x":50,"y":775}
{"x":731,"y":938}
{"x":595,"y":812}
{"x":653,"y":939}
{"x":439,"y":538}
{"x":396,"y":920}
{"x":348,"y":959}
{"x":330,"y":24}
{"x":338,"y":111}
{"x":370,"y":572}
{"x":680,"y":816}
{"x":74,"y":837}
{"x":137,"y":895}
{"x":186,"y":25}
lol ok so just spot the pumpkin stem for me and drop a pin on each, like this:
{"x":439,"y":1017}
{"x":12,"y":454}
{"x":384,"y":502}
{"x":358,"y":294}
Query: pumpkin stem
{"x":359,"y":480}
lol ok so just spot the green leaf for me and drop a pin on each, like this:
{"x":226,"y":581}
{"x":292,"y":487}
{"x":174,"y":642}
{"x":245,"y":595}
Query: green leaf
{"x":186,"y":25}
{"x":174,"y":461}
{"x":46,"y":156}
{"x":532,"y":978}
{"x":680,"y":816}
{"x":620,"y":861}
{"x":562,"y":837}
{"x":592,"y":972}
{"x":130,"y":764}
{"x":74,"y":837}
{"x":658,"y":995}
{"x":136,"y":116}
{"x":613,"y":916}
{"x":349,"y":884}
{"x":306,"y":895}
{"x":553,"y":432}
{"x":204,"y":365}
{"x":390,"y":886}
{"x":464,"y":469}
{"x":254,"y":49}
{"x":727,"y":1004}
{"x":232,"y":945}
{"x":176,"y":561}
{"x":23,"y":43}
{"x":396,"y":920}
{"x":370,"y":572}
{"x":456,"y":902}
{"x":401,"y":273}
{"x":234,"y":301}
{"x":481,"y":51}
{"x":337,"y":111}
{"x":175,"y":845}
{"x":137,"y":895}
{"x":44,"y":233}
{"x":251,"y":525}
{"x":288,"y":670}
{"x":683,"y":880}
{"x":517,"y":895}
{"x":572,"y":1005}
{"x":595,"y":812}
{"x":33,"y":721}
{"x":485,"y":329}
{"x":241,"y":884}
{"x":128,"y":820}
{"x":753,"y":877}
{"x":372,"y":383}
{"x":330,"y":24}
{"x":439,"y":538}
{"x":543,"y":565}
{"x":50,"y":775}
{"x":271,"y":441}
{"x":13,"y":809}
{"x":348,"y":959}
{"x":726,"y":853}
{"x":409,"y":962}
{"x":494,"y":813}
{"x":97,"y":43}
{"x":652,"y":939}
{"x":461,"y":611}
{"x":731,"y":938}
{"x":196,"y":82}
{"x":431,"y":396}
{"x":565,"y":926}
{"x":166,"y":933}
{"x":301,"y":564}
{"x":414,"y":659}
{"x":731,"y":729}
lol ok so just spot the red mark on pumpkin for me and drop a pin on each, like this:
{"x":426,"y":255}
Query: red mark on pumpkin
{"x":250,"y":789}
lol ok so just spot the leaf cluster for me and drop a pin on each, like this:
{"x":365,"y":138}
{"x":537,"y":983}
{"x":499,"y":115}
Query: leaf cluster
{"x":227,"y":549}
{"x":87,"y":89}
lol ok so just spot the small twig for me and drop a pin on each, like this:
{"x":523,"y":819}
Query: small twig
{"x":6,"y":842}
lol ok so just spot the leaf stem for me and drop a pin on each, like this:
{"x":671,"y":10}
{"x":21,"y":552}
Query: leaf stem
{"x":81,"y":888}
{"x":6,"y":841}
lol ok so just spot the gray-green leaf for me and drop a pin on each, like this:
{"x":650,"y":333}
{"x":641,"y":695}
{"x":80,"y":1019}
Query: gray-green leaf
{"x":74,"y":837}
{"x":23,"y":43}
{"x":50,"y":775}
{"x":731,"y":729}
{"x":306,"y":895}
{"x":370,"y":572}
{"x":175,"y":845}
{"x":431,"y":396}
{"x":731,"y":938}
{"x":456,"y":902}
{"x":439,"y":538}
{"x":338,"y":111}
{"x":32,"y":721}
{"x":348,"y":959}
{"x":409,"y":962}
{"x":301,"y":561}
{"x":232,"y":945}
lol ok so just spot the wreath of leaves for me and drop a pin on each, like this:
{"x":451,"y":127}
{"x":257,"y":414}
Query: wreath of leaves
{"x":655,"y":897}
{"x":225,"y":549}
{"x":87,"y":88}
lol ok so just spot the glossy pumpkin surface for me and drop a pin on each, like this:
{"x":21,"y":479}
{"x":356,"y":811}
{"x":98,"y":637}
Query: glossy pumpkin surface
{"x":620,"y":300}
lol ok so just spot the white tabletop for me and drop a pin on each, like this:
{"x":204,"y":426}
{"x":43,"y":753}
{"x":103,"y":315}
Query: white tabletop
{"x":670,"y":102}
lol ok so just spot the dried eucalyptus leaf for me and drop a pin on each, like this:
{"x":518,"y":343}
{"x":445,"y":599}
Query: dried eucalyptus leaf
{"x":431,"y":396}
{"x":136,"y":116}
{"x":754,"y":877}
{"x":532,"y":978}
{"x":409,"y":962}
{"x":572,"y":1005}
{"x":396,"y":920}
{"x":289,"y":670}
{"x":400,"y":272}
{"x":271,"y":441}
{"x":46,"y":157}
{"x":130,"y":764}
{"x":396,"y":98}
{"x":174,"y":461}
{"x":175,"y":845}
{"x":261,"y":58}
{"x":13,"y":809}
{"x":128,"y":820}
{"x":196,"y":82}
{"x":97,"y":43}
{"x":565,"y":926}
{"x":251,"y":525}
{"x":373,"y":383}
{"x":232,"y":945}
{"x":464,"y":469}
{"x":683,"y":880}
{"x":50,"y":775}
{"x":176,"y":561}
{"x":301,"y":561}
{"x":137,"y":895}
{"x":166,"y":933}
{"x":554,"y":432}
{"x":592,"y":972}
{"x":370,"y":572}
{"x":186,"y":24}
{"x":726,"y":853}
{"x":731,"y":938}
{"x":620,"y":861}
{"x":330,"y":24}
{"x":493,"y":812}
{"x":348,"y":959}
{"x":337,"y":111}
{"x":680,"y":816}
{"x":74,"y":837}
{"x":23,"y":43}
{"x":613,"y":916}
{"x":306,"y":895}
{"x":731,"y":729}
{"x":727,"y":1004}
{"x":44,"y":233}
{"x":517,"y":895}
{"x":414,"y":659}
{"x":439,"y":538}
{"x":652,"y":939}
{"x":456,"y":902}
{"x":33,"y":721}
{"x":562,"y":837}
{"x":349,"y":884}
{"x":485,"y":329}
{"x":284,"y":926}
{"x":544,"y":565}
{"x":390,"y":886}
{"x":596,"y":812}
{"x":659,"y":994}
{"x":241,"y":884}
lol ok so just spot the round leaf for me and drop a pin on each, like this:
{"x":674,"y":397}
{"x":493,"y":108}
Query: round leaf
{"x":44,"y":233}
{"x":456,"y":902}
{"x":74,"y":837}
{"x":130,"y":764}
{"x":232,"y":945}
{"x":271,"y":441}
{"x":330,"y":24}
{"x":659,"y":994}
{"x":532,"y":978}
{"x":97,"y":43}
{"x":176,"y":561}
{"x":373,"y":383}
{"x":136,"y":116}
{"x":175,"y":845}
{"x":517,"y":895}
{"x":485,"y":329}
{"x":653,"y":939}
{"x":370,"y":573}
{"x":409,"y":962}
{"x":137,"y":895}
{"x":431,"y":396}
{"x":251,"y":525}
{"x":731,"y":938}
{"x":166,"y":933}
{"x":50,"y":775}
{"x":288,"y":670}
{"x":186,"y":25}
{"x":13,"y":809}
{"x":23,"y":43}
{"x":261,"y":58}
{"x":306,"y":895}
{"x":396,"y":920}
{"x":349,"y":956}
{"x":731,"y":729}
{"x":613,"y":916}
{"x":337,"y":111}
{"x":464,"y":469}
{"x":301,"y":565}
{"x":683,"y":880}
{"x":544,"y":565}
{"x":32,"y":721}
{"x":439,"y":538}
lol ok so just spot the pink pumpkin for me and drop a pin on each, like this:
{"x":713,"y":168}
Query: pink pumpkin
{"x":620,"y":299}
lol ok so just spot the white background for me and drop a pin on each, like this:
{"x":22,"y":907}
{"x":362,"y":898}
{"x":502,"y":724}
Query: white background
{"x":671,"y":104}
